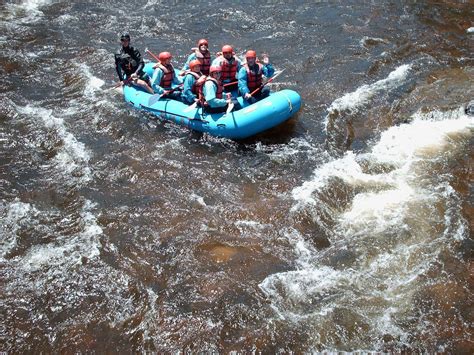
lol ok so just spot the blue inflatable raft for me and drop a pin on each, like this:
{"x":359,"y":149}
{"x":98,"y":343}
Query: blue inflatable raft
{"x":244,"y":123}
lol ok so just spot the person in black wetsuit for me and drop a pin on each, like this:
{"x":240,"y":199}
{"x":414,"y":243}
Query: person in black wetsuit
{"x":129,"y":65}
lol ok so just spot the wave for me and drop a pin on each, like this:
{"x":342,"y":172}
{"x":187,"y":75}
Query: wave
{"x":73,"y":156}
{"x":402,"y":215}
{"x":13,"y":215}
{"x":68,"y":251}
{"x":27,"y":11}
{"x":354,"y":100}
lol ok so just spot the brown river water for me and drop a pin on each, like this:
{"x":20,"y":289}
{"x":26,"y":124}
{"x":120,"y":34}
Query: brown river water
{"x":347,"y":228}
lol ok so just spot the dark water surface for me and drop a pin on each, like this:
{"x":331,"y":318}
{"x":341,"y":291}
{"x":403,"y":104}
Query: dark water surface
{"x":347,"y":228}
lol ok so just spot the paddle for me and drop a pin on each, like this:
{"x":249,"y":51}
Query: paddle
{"x":191,"y":107}
{"x":153,"y":55}
{"x":154,"y":98}
{"x":230,"y":107}
{"x":268,"y":82}
{"x":231,"y":83}
{"x":125,"y":82}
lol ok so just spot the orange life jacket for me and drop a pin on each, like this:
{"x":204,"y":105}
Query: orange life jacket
{"x":205,"y":60}
{"x":200,"y":80}
{"x":254,"y":79}
{"x":220,"y":89}
{"x":229,"y":70}
{"x":168,"y":75}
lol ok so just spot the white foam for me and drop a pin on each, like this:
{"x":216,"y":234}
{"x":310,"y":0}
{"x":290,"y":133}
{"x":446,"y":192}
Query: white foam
{"x":388,"y":225}
{"x":12,"y":216}
{"x":290,"y":291}
{"x":93,"y":83}
{"x":352,"y":101}
{"x":67,"y":251}
{"x":376,"y":212}
{"x":371,"y":40}
{"x":346,"y":168}
{"x":247,"y":223}
{"x":27,"y":11}
{"x":198,"y":199}
{"x":427,"y":136}
{"x":413,"y":188}
{"x":73,"y":155}
{"x":32,"y":5}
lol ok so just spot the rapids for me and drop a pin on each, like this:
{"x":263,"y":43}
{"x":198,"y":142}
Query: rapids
{"x":348,"y":228}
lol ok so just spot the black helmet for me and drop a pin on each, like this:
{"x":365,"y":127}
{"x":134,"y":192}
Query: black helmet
{"x":125,"y":35}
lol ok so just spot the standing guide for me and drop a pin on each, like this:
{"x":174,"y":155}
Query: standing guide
{"x":129,"y":65}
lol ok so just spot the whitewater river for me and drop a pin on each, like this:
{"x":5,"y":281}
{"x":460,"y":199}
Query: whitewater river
{"x":348,"y":228}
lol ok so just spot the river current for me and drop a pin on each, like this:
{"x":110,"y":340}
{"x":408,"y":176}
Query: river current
{"x":347,"y":228}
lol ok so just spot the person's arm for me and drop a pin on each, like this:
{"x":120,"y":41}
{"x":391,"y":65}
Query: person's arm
{"x":210,"y":95}
{"x":177,"y":80}
{"x":118,"y":66}
{"x":242,"y":79}
{"x":268,"y":70}
{"x":140,"y":62}
{"x":216,"y":62}
{"x":239,"y":66}
{"x":188,"y":94}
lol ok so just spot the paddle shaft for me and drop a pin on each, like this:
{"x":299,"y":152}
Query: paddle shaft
{"x":231,"y":83}
{"x":125,"y":82}
{"x":268,"y":82}
{"x":179,"y":87}
{"x":153,"y":55}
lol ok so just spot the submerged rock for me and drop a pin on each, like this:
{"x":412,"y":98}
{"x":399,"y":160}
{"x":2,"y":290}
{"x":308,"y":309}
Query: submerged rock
{"x":470,"y":108}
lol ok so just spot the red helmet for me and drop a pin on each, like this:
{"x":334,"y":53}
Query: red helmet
{"x":215,"y":69}
{"x":193,"y":63}
{"x":203,"y":41}
{"x":227,"y":49}
{"x":251,"y":54}
{"x":164,"y":55}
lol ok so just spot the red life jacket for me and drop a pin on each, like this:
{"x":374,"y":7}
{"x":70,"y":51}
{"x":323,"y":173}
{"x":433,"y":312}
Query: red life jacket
{"x":168,"y":75}
{"x":254,"y":80}
{"x":205,"y":60}
{"x":220,"y":89}
{"x":229,"y":70}
{"x":200,"y":79}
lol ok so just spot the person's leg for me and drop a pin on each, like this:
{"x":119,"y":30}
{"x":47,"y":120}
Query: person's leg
{"x":215,"y":109}
{"x":174,"y":96}
{"x":264,"y":92}
{"x":143,"y":84}
{"x":186,"y":101}
{"x":251,"y":100}
{"x":231,"y":86}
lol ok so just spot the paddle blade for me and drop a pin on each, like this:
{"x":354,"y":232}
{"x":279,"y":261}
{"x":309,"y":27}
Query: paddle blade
{"x":230,"y":107}
{"x":190,"y":107}
{"x":275,"y":75}
{"x":153,"y":99}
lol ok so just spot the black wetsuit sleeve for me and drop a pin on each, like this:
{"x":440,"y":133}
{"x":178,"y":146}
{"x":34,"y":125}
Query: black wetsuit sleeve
{"x":118,"y":66}
{"x":140,"y":62}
